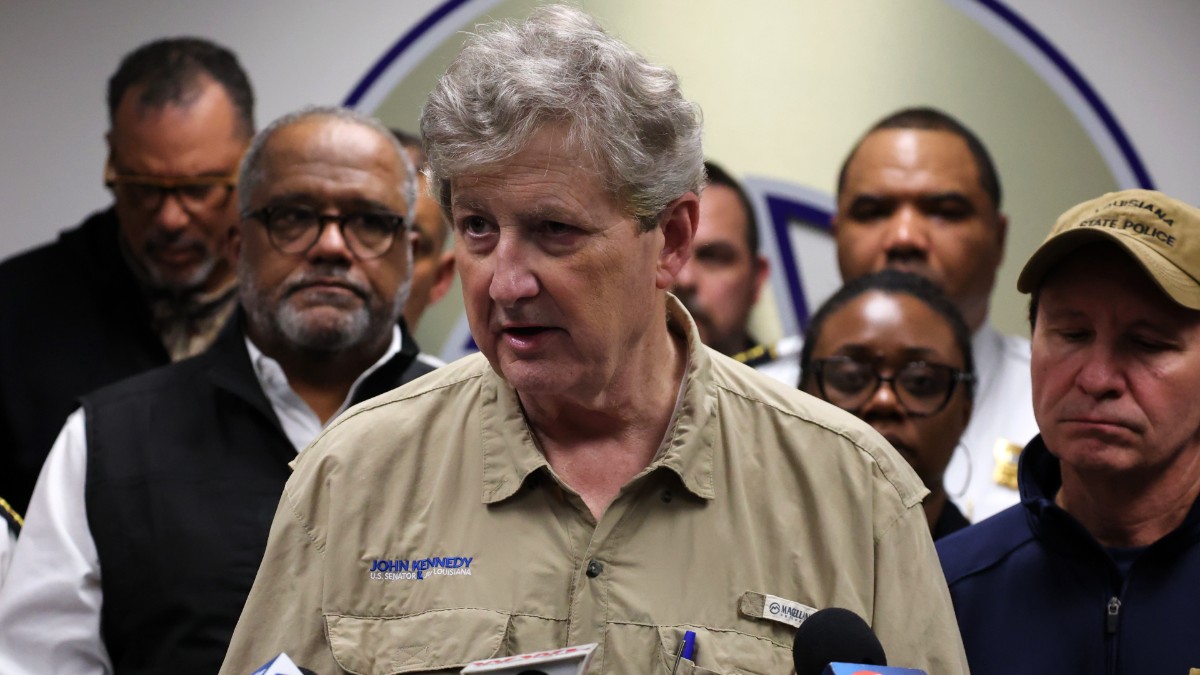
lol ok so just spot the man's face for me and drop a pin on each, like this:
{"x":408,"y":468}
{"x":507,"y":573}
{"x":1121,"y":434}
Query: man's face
{"x":559,"y":284}
{"x":180,"y":244}
{"x":433,"y":268}
{"x":912,"y":201}
{"x":891,"y":331}
{"x":327,"y":298}
{"x":720,"y":283}
{"x":1116,"y":369}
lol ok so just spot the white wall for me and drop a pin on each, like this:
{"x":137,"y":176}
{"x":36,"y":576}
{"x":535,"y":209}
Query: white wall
{"x":1141,"y":57}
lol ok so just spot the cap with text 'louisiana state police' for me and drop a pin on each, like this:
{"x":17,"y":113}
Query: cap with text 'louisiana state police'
{"x":1162,"y":234}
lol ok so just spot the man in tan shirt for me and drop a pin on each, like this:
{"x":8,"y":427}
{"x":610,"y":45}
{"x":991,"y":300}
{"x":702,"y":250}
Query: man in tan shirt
{"x":595,"y":474}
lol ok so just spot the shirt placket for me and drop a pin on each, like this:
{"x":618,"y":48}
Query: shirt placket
{"x":591,"y":543}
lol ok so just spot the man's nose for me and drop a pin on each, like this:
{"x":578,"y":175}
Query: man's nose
{"x":907,"y":236}
{"x":170,"y":214}
{"x":513,"y":278}
{"x":1101,"y":374}
{"x":331,"y":243}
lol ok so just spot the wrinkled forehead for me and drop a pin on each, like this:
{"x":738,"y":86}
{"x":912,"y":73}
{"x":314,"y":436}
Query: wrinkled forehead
{"x":332,"y":159}
{"x":551,"y":146}
{"x":199,"y":136}
{"x":913,"y":162}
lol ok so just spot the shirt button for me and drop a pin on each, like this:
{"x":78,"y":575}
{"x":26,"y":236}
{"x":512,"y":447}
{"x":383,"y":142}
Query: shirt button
{"x":666,"y":496}
{"x":594,"y":568}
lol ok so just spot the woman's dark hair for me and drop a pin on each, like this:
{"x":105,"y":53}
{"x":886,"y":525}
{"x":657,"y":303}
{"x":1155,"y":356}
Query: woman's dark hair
{"x":892,"y":282}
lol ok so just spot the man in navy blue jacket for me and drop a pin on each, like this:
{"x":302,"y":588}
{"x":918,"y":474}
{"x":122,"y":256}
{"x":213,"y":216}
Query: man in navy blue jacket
{"x":1097,"y":570}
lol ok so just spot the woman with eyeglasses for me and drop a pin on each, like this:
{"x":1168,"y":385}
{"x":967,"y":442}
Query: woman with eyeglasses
{"x":891,"y":349}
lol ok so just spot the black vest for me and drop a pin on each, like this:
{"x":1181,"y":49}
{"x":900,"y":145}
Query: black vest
{"x":185,"y":468}
{"x":73,"y":320}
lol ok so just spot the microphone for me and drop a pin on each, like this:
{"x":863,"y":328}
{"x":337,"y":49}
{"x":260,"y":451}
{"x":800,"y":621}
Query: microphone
{"x":281,"y":665}
{"x":565,"y":661}
{"x":836,"y":641}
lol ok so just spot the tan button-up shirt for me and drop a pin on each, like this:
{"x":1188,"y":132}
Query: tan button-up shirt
{"x":425,"y":530}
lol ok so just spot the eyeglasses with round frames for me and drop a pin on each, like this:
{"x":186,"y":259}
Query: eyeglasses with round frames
{"x":296,"y":229}
{"x":920,"y":388}
{"x":196,"y":194}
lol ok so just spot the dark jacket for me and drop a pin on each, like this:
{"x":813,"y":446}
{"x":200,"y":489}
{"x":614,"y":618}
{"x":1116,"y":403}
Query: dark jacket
{"x":1034,"y":592}
{"x":72,"y":319}
{"x":185,"y":468}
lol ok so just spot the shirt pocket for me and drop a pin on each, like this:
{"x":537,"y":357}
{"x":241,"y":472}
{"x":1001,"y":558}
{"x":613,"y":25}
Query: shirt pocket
{"x":442,"y":640}
{"x":724,"y":652}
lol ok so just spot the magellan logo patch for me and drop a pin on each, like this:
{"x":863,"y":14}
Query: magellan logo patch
{"x":785,"y":611}
{"x":419,"y":569}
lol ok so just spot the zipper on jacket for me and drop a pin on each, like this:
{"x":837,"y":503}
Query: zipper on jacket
{"x":1113,"y":614}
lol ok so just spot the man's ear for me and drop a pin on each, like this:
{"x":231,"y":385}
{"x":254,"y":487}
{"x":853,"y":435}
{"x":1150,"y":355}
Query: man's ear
{"x":108,"y":156}
{"x":678,"y":225}
{"x":443,"y":278}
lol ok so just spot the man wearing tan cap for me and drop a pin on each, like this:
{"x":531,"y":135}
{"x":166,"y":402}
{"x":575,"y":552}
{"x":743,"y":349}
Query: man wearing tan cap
{"x":1098,"y":569}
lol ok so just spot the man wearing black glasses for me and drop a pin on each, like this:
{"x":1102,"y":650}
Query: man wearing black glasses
{"x":151,"y":517}
{"x":146,"y":281}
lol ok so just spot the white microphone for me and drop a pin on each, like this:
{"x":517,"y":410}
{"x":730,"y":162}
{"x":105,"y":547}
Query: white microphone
{"x":281,"y":665}
{"x":565,"y":661}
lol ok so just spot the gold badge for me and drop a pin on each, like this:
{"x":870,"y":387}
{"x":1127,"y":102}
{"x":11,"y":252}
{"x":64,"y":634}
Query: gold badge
{"x":1006,"y":454}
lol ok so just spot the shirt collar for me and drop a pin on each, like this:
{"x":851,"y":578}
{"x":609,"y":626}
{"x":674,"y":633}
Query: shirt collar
{"x":299,"y":422}
{"x":510,"y":454}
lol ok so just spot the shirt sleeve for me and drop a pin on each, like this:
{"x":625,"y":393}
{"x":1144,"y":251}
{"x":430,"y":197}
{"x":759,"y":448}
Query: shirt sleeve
{"x":7,"y":542}
{"x":50,"y":601}
{"x":283,"y":613}
{"x":913,"y":616}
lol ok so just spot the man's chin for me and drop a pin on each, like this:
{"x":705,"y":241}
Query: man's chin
{"x":324,"y":328}
{"x":180,"y":279}
{"x":534,"y":377}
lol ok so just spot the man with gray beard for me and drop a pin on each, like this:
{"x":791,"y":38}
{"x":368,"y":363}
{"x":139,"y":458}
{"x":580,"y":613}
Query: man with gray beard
{"x":144,"y":282}
{"x":148,"y":523}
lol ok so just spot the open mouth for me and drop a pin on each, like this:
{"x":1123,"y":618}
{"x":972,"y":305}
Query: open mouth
{"x":527,"y":337}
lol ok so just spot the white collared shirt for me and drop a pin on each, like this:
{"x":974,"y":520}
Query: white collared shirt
{"x":1003,"y":414}
{"x":50,"y":601}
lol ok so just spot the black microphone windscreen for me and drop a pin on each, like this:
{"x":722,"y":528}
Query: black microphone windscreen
{"x":835,"y":635}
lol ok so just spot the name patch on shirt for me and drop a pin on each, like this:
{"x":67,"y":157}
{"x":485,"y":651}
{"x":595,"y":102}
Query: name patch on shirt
{"x":419,"y":569}
{"x":774,"y":608}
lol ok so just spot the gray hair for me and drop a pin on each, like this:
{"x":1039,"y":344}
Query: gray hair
{"x":251,"y":172}
{"x":626,"y":115}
